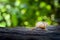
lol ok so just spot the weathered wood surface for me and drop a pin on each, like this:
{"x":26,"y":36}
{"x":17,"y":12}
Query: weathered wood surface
{"x":26,"y":34}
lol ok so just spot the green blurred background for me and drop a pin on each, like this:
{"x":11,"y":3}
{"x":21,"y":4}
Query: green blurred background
{"x":26,"y":13}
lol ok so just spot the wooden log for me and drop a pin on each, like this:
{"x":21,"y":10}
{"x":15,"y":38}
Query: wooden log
{"x":14,"y":34}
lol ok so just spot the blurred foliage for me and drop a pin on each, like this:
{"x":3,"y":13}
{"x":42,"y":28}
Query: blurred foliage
{"x":26,"y":12}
